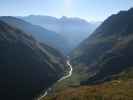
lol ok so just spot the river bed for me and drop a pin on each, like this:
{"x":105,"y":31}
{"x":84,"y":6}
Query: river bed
{"x":61,"y":79}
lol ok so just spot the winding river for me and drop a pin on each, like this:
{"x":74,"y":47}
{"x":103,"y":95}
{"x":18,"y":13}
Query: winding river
{"x":62,"y":78}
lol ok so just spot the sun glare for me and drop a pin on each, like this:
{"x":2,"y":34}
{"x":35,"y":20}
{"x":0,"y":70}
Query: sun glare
{"x":67,"y":6}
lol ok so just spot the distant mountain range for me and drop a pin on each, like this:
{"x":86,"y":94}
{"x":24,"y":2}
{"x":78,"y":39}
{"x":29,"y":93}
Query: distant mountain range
{"x":27,"y":67}
{"x":41,"y":34}
{"x":74,"y":30}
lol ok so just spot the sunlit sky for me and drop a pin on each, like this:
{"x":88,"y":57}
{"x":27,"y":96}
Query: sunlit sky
{"x":91,"y":10}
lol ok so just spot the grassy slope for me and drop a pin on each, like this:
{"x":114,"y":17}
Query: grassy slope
{"x":115,"y":90}
{"x":118,"y":89}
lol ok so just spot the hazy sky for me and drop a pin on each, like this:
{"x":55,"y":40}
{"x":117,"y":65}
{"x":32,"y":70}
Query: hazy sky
{"x":92,"y":10}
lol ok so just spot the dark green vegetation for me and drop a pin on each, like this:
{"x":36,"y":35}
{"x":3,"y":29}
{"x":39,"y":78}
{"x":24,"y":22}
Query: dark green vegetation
{"x":108,"y":50}
{"x":102,"y":63}
{"x":26,"y":66}
{"x":41,"y":34}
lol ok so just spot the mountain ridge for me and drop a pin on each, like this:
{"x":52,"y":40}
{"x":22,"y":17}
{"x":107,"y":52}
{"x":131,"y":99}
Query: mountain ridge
{"x":42,"y":35}
{"x":71,"y":28}
{"x":27,"y":67}
{"x":112,"y":38}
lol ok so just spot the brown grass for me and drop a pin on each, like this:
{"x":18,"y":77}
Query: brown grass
{"x":115,"y":90}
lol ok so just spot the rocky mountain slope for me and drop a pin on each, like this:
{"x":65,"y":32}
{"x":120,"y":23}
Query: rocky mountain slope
{"x":109,"y":49}
{"x":27,"y":67}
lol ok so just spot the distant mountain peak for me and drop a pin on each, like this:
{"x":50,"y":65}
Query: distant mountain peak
{"x":73,"y":19}
{"x":71,"y":28}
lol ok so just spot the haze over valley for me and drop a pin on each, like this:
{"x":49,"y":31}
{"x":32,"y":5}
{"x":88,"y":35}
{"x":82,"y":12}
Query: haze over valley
{"x":73,"y":30}
{"x":66,"y":50}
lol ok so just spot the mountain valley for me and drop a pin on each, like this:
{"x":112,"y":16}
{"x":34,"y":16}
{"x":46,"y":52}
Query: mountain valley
{"x":67,"y":58}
